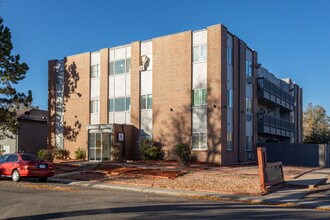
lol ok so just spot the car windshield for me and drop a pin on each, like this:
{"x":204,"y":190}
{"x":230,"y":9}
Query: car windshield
{"x":30,"y":157}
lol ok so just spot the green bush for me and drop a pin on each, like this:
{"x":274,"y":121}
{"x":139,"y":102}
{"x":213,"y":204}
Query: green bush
{"x":47,"y":155}
{"x":61,"y":154}
{"x":183,"y":151}
{"x":151,"y":150}
{"x":80,"y":154}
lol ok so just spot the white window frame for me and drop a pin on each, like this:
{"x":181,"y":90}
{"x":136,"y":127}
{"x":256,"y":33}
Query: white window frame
{"x":114,"y":104}
{"x":229,"y":141}
{"x":201,"y":144}
{"x":199,"y":53}
{"x":97,"y":101}
{"x":229,"y":55}
{"x":230,"y":98}
{"x":249,"y":143}
{"x":97,"y":71}
{"x":147,"y":97}
{"x":248,"y":68}
{"x":248,"y":105}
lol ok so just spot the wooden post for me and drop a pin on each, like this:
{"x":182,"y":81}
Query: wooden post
{"x":262,"y":164}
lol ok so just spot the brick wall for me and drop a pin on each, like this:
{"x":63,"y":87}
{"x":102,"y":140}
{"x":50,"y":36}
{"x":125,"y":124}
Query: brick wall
{"x":104,"y":85}
{"x":76,"y":101}
{"x":171,"y":89}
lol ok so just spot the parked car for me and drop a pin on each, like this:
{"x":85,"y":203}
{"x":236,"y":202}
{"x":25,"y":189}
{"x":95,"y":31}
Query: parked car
{"x":20,"y":165}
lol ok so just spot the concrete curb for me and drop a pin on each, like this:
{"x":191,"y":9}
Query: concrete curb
{"x":288,"y":199}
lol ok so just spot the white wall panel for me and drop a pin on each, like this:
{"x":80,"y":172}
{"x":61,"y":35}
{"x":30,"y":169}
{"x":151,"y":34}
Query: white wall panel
{"x":230,"y":40}
{"x":120,"y":85}
{"x":249,"y":90}
{"x":200,"y":37}
{"x":249,"y":55}
{"x":199,"y":120}
{"x":120,"y":53}
{"x":146,"y":82}
{"x":95,"y":87}
{"x":128,"y":51}
{"x":95,"y":119}
{"x":230,"y":77}
{"x":230,"y":120}
{"x":111,"y":117}
{"x":199,"y":75}
{"x":128,"y":84}
{"x":120,"y":117}
{"x":146,"y":121}
{"x":146,"y":48}
{"x":111,"y":86}
{"x":128,"y":117}
{"x":111,"y":55}
{"x":95,"y":58}
{"x":249,"y":128}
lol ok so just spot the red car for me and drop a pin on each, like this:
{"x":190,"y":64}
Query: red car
{"x":19,"y":165}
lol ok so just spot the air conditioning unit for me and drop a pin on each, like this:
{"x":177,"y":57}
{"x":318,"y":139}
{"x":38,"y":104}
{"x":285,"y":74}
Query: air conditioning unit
{"x":144,"y":63}
{"x":251,"y":156}
{"x":248,"y":117}
{"x":249,"y":79}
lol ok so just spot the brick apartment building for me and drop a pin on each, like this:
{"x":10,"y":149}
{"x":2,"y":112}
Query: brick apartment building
{"x":202,"y":87}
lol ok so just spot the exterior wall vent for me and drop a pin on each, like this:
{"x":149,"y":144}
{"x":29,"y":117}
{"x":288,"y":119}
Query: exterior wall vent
{"x":251,"y":156}
{"x":248,"y":117}
{"x":249,"y":79}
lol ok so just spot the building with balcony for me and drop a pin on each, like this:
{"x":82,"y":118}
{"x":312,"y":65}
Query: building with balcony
{"x":204,"y":87}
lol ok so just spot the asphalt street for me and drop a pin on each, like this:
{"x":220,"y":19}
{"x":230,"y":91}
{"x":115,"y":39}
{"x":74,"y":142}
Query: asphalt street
{"x":33,"y":200}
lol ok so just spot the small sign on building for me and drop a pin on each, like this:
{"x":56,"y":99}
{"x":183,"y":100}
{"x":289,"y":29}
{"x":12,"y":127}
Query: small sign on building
{"x":121,"y":136}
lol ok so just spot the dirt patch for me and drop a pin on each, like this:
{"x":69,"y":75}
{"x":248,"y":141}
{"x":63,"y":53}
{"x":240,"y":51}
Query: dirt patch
{"x":64,"y":168}
{"x":219,"y":179}
{"x":140,"y":171}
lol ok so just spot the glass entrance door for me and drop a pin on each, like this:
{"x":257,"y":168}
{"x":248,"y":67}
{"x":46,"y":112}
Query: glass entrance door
{"x":106,"y":143}
{"x":94,"y":146}
{"x":99,"y":145}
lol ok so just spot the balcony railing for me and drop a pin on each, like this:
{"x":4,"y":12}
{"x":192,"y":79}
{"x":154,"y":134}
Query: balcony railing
{"x":274,"y":94}
{"x":269,"y":124}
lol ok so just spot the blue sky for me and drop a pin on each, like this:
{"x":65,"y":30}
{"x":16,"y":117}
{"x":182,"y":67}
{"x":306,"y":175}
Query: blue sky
{"x":292,"y":37}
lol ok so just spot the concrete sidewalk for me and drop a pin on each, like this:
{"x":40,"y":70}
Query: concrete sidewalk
{"x":290,"y":196}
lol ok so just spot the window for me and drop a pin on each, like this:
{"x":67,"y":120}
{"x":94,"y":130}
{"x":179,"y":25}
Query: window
{"x":4,"y":158}
{"x":248,"y":104}
{"x":146,"y":101}
{"x":199,"y":53}
{"x":199,"y":97}
{"x":128,"y":103}
{"x":95,"y":106}
{"x":230,"y":98}
{"x":120,"y":66}
{"x":199,"y":141}
{"x":229,"y":55}
{"x":128,"y":65}
{"x":229,"y":141}
{"x":95,"y":71}
{"x":248,"y":68}
{"x":248,"y":143}
{"x":12,"y":158}
{"x":119,"y":104}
